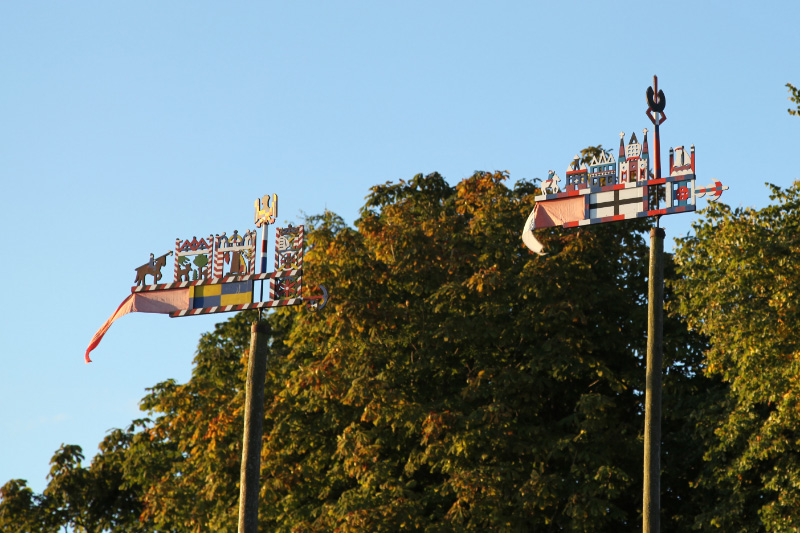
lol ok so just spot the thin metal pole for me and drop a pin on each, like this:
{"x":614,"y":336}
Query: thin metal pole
{"x":651,"y":506}
{"x":249,"y":484}
{"x":263,"y":261}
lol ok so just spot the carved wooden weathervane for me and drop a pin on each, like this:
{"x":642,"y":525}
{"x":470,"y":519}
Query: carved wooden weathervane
{"x":609,"y":189}
{"x":217,"y":274}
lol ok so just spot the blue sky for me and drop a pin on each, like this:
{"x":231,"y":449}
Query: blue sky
{"x":124,"y":125}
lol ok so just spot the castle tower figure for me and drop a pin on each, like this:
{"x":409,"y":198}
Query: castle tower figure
{"x":636,"y":163}
{"x":603,"y":170}
{"x":622,"y":169}
{"x":577,"y":174}
{"x":646,"y":152}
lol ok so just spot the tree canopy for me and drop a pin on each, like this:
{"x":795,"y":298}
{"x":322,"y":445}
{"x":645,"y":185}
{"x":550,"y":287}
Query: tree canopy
{"x":741,"y":288}
{"x":457,"y":382}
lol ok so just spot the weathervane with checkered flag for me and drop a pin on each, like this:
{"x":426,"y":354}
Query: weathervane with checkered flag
{"x":218,"y":273}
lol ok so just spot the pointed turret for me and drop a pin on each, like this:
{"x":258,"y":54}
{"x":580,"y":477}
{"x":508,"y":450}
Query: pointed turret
{"x":645,"y":152}
{"x":646,"y":155}
{"x":634,"y":149}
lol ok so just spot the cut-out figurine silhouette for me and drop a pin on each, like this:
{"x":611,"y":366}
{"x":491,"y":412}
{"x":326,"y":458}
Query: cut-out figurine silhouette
{"x":152,"y":267}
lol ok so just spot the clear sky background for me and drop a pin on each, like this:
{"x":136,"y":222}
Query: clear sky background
{"x":124,"y":125}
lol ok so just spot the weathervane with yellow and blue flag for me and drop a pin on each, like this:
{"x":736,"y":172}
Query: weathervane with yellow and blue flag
{"x":217,"y":274}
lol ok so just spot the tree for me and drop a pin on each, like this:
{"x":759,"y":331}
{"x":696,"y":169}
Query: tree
{"x":795,"y":98}
{"x":92,"y":499}
{"x":22,"y":511}
{"x":458,"y":383}
{"x":740,"y":288}
{"x":88,"y":500}
{"x":588,"y":154}
{"x":591,"y":152}
{"x":455,"y":383}
{"x":186,"y":458}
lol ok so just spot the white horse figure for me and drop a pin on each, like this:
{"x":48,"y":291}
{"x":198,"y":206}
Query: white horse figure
{"x":551,"y":183}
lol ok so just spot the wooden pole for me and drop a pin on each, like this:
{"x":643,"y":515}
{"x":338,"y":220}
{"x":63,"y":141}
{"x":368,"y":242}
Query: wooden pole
{"x":651,"y":507}
{"x":249,"y":485}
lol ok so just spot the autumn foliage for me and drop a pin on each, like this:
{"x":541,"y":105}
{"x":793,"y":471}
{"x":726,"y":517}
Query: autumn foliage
{"x":457,"y":382}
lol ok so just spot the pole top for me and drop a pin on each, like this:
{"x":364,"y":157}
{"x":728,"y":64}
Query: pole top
{"x":656,"y":104}
{"x":260,"y":326}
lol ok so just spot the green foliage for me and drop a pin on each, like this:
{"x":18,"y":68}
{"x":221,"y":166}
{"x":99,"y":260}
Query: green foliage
{"x":456,"y":382}
{"x":90,"y":500}
{"x":22,"y":511}
{"x":794,"y":98}
{"x":187,"y":458}
{"x":591,"y":152}
{"x":741,"y":288}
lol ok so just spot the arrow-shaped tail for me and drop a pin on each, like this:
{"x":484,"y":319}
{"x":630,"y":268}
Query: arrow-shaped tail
{"x":714,"y":191}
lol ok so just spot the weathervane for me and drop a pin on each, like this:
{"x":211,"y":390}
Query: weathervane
{"x":609,"y":189}
{"x":217,"y":274}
